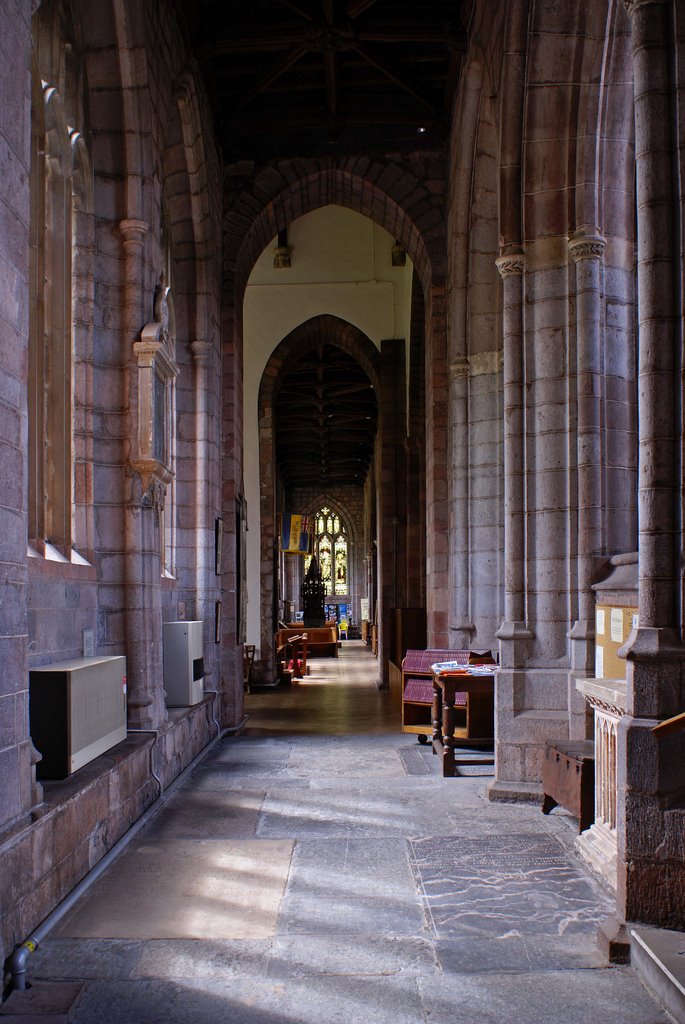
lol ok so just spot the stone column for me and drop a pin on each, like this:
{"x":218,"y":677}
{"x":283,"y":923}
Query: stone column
{"x":658,"y":336}
{"x":204,"y":538}
{"x":391,"y":506}
{"x":513,"y":628}
{"x":587,"y":247}
{"x":461,"y":629}
{"x":651,"y":872}
{"x":206,"y":587}
{"x":146,"y":708}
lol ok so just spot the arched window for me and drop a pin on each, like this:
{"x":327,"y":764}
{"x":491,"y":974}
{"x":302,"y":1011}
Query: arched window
{"x":331,"y":549}
{"x":60,"y":212}
{"x":61,"y":289}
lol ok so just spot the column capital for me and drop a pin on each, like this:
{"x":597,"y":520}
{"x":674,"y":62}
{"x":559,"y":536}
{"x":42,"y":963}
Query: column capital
{"x":511,"y":265}
{"x":632,"y":6}
{"x":587,"y":243}
{"x":133,"y":232}
{"x":200,"y":350}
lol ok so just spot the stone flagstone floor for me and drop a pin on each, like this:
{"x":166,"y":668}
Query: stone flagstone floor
{"x":318,"y":869}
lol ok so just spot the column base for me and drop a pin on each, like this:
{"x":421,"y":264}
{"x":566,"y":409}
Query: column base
{"x":598,"y":847}
{"x":460,"y":635}
{"x":513,"y":791}
{"x":514,"y":638}
{"x":613,"y":940}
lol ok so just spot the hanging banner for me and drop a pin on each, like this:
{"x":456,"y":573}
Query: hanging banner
{"x":294,"y":534}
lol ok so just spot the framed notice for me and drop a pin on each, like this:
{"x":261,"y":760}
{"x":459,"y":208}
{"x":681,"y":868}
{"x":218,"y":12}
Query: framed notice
{"x":218,"y":539}
{"x":617,"y":625}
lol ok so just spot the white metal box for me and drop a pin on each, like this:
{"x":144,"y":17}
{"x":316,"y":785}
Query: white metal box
{"x":184,"y":668}
{"x":77,"y":711}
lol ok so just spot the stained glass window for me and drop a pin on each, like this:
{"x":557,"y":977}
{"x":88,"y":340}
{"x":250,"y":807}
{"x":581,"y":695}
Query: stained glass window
{"x":330,"y":545}
{"x":340,"y":565}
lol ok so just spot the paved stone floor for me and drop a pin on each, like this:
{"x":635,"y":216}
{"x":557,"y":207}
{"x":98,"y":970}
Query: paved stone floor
{"x":319,"y":869}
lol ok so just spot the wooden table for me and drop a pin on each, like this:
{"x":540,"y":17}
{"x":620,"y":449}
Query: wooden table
{"x":480,"y":689}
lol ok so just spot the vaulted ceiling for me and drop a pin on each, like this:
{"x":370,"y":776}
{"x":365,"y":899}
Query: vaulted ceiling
{"x":325,"y":418}
{"x":310,"y":77}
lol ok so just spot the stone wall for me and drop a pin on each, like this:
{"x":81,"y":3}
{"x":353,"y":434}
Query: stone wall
{"x":15,"y":97}
{"x":146,"y":189}
{"x":83,"y":817}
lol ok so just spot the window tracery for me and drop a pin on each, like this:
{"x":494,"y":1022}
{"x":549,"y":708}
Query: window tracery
{"x":331,"y":548}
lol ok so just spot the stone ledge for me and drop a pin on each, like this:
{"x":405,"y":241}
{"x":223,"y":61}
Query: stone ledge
{"x":47,"y":1002}
{"x":657,"y":954}
{"x":613,"y":940}
{"x":515,"y":792}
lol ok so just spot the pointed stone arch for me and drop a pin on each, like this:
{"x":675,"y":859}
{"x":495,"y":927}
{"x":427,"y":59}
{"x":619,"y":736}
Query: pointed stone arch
{"x":302,"y":339}
{"x":407,"y":198}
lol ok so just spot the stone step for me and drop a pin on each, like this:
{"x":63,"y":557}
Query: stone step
{"x":658,"y":955}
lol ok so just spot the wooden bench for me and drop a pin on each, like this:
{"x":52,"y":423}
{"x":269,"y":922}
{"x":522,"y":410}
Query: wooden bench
{"x":321,"y":640}
{"x":568,"y":779}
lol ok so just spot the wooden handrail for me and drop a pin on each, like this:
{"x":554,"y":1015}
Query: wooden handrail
{"x":670,"y":726}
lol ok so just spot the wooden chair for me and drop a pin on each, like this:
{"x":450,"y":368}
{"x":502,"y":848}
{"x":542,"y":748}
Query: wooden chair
{"x":248,"y":662}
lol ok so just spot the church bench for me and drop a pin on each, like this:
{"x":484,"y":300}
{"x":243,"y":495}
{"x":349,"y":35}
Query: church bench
{"x":321,"y":640}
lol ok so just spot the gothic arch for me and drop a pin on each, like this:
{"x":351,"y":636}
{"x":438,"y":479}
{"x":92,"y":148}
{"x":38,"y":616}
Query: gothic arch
{"x":407,"y":199}
{"x":301,"y":340}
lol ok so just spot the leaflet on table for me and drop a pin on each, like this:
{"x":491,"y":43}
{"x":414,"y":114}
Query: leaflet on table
{"x":454,"y":666}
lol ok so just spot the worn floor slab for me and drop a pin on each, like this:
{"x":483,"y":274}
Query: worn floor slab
{"x":319,"y":870}
{"x":186,"y":889}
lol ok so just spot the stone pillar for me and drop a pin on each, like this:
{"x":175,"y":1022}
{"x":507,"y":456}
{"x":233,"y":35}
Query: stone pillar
{"x":204,"y":539}
{"x":206,"y":589}
{"x":18,"y":789}
{"x":513,"y":628}
{"x":146,"y":708}
{"x":651,"y":871}
{"x":514,"y":635}
{"x":587,"y":247}
{"x":461,"y":629}
{"x":658,"y":336}
{"x":437,"y":504}
{"x":391,"y":506}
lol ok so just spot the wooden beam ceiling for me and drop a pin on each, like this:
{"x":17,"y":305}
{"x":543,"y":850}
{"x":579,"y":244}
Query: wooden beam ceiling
{"x":324,"y":431}
{"x":312,"y":77}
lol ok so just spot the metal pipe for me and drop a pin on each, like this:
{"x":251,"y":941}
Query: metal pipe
{"x":17,"y":961}
{"x":153,"y":773}
{"x":214,"y":718}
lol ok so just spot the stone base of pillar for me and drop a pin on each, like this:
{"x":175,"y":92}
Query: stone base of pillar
{"x":597,"y":846}
{"x":514,"y":638}
{"x":582,"y":649}
{"x":461,"y":634}
{"x":36,"y":786}
{"x":143,"y":714}
{"x":613,"y":940}
{"x":504,"y":791}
